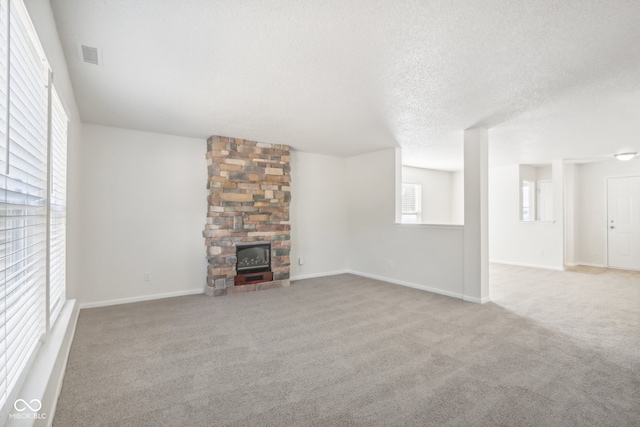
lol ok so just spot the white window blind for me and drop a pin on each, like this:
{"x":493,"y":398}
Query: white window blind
{"x":25,"y":200}
{"x":33,"y":128}
{"x":411,"y":203}
{"x":57,"y":207}
{"x":4,"y":63}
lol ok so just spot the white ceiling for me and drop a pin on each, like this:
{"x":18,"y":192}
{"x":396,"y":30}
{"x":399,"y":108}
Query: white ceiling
{"x":551,"y":79}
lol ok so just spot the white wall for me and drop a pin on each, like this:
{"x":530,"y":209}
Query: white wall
{"x":511,"y":241}
{"x":318,"y":214}
{"x":457,"y":197}
{"x":43,"y":21}
{"x":143,"y":210}
{"x":428,"y":257}
{"x":534,"y":173}
{"x":544,"y":173}
{"x":590,"y":207}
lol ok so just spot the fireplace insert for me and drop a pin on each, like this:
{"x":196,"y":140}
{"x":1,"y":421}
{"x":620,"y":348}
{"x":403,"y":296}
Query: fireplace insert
{"x":253,"y":258}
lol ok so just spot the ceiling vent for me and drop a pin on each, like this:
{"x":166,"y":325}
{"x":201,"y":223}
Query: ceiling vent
{"x":90,"y":55}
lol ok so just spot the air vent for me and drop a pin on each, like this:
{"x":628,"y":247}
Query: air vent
{"x":90,"y":55}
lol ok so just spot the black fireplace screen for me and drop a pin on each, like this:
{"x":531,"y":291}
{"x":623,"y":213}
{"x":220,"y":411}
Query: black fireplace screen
{"x":253,"y":258}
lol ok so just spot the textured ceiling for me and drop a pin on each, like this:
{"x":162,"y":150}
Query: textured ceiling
{"x":549,"y":79}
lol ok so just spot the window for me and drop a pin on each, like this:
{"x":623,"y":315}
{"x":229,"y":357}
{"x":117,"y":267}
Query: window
{"x":411,"y":203}
{"x":33,"y":132}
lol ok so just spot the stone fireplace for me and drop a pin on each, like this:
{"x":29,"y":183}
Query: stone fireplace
{"x":248,"y":202}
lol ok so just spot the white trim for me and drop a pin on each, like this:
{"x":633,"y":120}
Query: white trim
{"x":476,"y":300}
{"x":408,"y":284}
{"x":398,"y":282}
{"x":589,"y":264}
{"x":535,"y":221}
{"x":524,"y":264}
{"x":44,"y":380}
{"x":622,"y":269}
{"x":606,"y":220}
{"x":141,"y":298}
{"x":314,"y":275}
{"x":441,"y":226}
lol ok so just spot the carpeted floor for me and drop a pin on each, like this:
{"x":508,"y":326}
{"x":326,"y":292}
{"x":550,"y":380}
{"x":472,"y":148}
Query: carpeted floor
{"x":552,"y":349}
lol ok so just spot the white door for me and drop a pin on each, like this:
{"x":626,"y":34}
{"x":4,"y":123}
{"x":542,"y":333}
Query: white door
{"x":623,"y":222}
{"x":545,"y":201}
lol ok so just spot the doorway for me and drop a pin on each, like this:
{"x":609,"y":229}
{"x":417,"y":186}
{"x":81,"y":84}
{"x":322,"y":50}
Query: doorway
{"x":623,"y":223}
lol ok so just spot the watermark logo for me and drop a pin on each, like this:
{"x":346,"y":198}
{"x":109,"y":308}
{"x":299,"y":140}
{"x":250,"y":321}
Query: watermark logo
{"x":28,"y":410}
{"x":21,"y":405}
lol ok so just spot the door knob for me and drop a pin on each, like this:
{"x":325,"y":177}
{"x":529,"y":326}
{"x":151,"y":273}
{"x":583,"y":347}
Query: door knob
{"x":612,"y":227}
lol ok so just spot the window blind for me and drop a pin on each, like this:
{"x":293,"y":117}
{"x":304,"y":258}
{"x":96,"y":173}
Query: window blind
{"x":411,"y":203}
{"x":57,"y":207}
{"x":4,"y":63}
{"x":409,"y":197}
{"x":23,"y":195}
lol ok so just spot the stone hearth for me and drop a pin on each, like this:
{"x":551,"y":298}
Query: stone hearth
{"x":249,"y":198}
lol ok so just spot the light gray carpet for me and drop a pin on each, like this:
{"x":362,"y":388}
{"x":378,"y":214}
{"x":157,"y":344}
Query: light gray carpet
{"x":553,"y":349}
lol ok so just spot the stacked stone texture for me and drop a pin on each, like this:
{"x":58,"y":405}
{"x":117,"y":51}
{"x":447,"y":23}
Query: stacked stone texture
{"x":249,"y":198}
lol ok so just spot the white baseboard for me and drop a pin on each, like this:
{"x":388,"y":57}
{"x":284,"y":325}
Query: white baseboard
{"x":44,"y":379}
{"x":524,"y":264}
{"x":408,"y":284}
{"x":477,"y":300}
{"x":590,"y":264}
{"x":141,"y":298}
{"x":314,"y":275}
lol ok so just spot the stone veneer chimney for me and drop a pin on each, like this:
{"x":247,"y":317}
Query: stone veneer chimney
{"x":249,"y":198}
